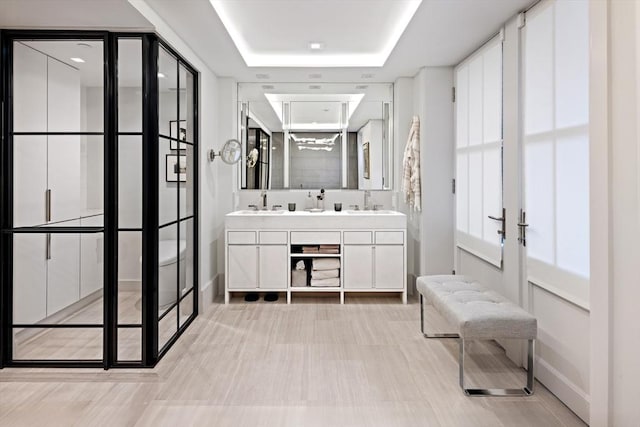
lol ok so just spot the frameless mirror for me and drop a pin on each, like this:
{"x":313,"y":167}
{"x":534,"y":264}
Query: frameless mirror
{"x":333,"y":136}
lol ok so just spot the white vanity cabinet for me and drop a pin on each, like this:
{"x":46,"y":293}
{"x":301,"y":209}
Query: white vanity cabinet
{"x":374,"y":260}
{"x":262,"y":248}
{"x":257,"y":260}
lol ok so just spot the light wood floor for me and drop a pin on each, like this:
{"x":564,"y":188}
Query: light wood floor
{"x":312,"y":363}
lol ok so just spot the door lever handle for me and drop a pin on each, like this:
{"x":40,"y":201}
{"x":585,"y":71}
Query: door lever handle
{"x":522,"y":225}
{"x":503,"y":225}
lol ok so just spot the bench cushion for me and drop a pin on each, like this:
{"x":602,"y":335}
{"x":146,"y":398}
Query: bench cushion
{"x":477,"y":312}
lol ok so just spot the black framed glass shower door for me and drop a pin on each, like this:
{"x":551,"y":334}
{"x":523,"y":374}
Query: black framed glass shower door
{"x":84,"y":265}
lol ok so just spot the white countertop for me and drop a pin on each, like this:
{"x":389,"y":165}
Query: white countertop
{"x":328,"y":219}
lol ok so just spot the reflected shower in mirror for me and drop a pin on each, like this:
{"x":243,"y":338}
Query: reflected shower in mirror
{"x":334,"y":136}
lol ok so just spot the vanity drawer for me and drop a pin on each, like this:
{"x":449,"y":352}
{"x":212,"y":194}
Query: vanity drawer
{"x":389,"y":238}
{"x":358,"y":238}
{"x":314,"y":237}
{"x":273,"y":237}
{"x":241,"y":238}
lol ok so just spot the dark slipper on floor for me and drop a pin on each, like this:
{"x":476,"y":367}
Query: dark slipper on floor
{"x":270,"y":297}
{"x":251,"y":297}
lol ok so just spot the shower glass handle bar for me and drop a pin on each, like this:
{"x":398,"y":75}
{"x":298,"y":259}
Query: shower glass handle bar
{"x":47,"y":201}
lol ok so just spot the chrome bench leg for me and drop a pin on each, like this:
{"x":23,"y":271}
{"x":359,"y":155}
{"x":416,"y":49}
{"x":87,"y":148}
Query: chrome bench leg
{"x":447,"y":335}
{"x":526,"y":391}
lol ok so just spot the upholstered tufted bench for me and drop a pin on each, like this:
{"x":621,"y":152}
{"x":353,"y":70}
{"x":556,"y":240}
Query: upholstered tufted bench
{"x":478,"y":314}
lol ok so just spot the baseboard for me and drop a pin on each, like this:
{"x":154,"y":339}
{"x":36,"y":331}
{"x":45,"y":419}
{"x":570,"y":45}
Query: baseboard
{"x":208,"y":294}
{"x":569,"y":393}
{"x":411,"y":284}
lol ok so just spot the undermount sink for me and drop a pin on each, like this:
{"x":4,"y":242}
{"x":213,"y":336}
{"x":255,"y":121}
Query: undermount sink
{"x":250,"y":212}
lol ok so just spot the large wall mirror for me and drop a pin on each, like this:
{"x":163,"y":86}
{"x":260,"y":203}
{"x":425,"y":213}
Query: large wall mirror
{"x":300,"y":136}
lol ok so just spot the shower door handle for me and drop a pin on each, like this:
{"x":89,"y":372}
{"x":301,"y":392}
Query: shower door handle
{"x":47,"y":201}
{"x":48,"y":251}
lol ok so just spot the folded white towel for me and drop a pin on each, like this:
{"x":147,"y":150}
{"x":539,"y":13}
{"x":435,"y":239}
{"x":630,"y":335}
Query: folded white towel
{"x":326,"y":263}
{"x":334,"y":283}
{"x":325,"y":274}
{"x":300,"y":265}
{"x":299,"y":278}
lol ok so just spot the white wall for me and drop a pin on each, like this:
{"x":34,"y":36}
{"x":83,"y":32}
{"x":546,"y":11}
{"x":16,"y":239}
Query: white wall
{"x":433,"y":105}
{"x":624,"y":216}
{"x":403,"y":111}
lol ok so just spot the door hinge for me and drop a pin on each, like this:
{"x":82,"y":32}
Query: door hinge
{"x":453,"y":186}
{"x":453,"y":94}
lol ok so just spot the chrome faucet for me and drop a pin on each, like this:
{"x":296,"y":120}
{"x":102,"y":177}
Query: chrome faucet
{"x":263,"y":196}
{"x":367,"y":200}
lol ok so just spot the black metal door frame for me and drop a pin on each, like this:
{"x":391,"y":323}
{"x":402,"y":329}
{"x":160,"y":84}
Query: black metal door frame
{"x":150,"y":352}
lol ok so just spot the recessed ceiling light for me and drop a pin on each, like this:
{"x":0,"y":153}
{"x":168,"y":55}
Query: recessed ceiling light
{"x":316,"y":46}
{"x":326,"y":110}
{"x":267,"y":87}
{"x":315,"y":87}
{"x":315,"y":76}
{"x":367,"y":76}
{"x":262,"y":76}
{"x":80,"y":60}
{"x":361,"y":87}
{"x":85,"y":45}
{"x":161,"y":76}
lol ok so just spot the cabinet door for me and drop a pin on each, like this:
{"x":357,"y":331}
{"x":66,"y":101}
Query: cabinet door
{"x":357,"y":270}
{"x":389,"y":267}
{"x":63,"y":279}
{"x":29,"y":278}
{"x":273,"y":267}
{"x":243,"y":266}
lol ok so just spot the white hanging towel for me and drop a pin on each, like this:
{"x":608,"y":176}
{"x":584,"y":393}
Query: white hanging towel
{"x":411,"y":167}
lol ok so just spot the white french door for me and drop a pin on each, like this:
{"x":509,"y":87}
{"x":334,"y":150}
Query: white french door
{"x":554,"y":221}
{"x":479,"y":217}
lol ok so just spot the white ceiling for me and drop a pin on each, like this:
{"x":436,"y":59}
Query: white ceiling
{"x":442,"y":32}
{"x":280,"y":33}
{"x":77,"y":14}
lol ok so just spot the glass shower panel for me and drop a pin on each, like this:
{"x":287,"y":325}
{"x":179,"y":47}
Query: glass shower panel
{"x":29,"y":278}
{"x":187,"y":243}
{"x":168,"y":267}
{"x":29,"y":180}
{"x":129,"y":344}
{"x":130,"y":181}
{"x":186,"y":102}
{"x":187,"y":185}
{"x":129,"y":278}
{"x":167,"y":327}
{"x":129,"y":85}
{"x":58,"y":278}
{"x":168,"y":125}
{"x":73,"y":83}
{"x":57,"y":344}
{"x":172,"y":173}
{"x":186,"y":307}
